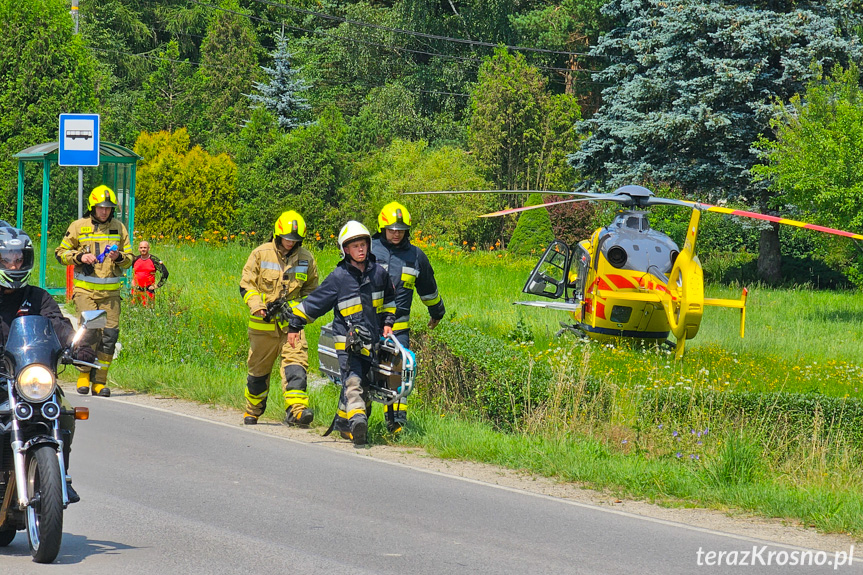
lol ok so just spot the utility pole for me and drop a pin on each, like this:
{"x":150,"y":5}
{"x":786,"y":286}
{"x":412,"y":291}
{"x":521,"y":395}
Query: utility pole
{"x":74,"y":13}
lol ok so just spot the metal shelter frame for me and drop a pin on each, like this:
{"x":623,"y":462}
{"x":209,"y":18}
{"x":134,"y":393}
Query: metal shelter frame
{"x":113,"y":159}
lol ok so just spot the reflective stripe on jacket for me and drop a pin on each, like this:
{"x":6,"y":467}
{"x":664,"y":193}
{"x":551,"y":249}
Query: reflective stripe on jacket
{"x":356,"y":298}
{"x":409,"y":270}
{"x":269,"y":273}
{"x":89,"y":236}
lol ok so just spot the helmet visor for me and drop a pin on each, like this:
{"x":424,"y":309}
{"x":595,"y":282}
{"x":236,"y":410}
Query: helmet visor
{"x":292,"y":237}
{"x":400,"y":225}
{"x":16,"y":259}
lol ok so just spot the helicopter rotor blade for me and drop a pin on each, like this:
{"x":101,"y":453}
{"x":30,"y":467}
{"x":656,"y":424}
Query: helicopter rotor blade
{"x":775,"y":219}
{"x":526,"y":208}
{"x":546,"y":192}
{"x":669,"y":202}
{"x":620,"y":198}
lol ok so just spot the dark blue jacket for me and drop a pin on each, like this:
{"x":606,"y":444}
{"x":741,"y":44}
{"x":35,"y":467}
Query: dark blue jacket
{"x":357,"y":299}
{"x":410,"y":270}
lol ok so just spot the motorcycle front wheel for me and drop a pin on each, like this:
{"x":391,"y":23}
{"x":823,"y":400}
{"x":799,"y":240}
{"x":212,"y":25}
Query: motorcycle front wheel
{"x":44,"y":518}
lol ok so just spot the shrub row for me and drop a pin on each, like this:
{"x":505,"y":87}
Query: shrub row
{"x":465,"y":370}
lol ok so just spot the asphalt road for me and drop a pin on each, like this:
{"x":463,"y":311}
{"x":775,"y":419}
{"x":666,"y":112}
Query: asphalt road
{"x":168,"y":494}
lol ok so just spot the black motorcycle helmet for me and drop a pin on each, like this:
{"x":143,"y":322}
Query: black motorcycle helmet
{"x":16,"y":257}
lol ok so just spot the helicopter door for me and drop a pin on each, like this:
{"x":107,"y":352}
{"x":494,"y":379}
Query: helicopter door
{"x":579,"y":268}
{"x":548,"y":278}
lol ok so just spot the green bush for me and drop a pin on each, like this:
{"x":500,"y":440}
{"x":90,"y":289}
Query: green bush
{"x":466,"y":370}
{"x":533,"y":232}
{"x":414,"y":167}
{"x":784,"y":414}
{"x":302,"y":170}
{"x":183,"y":191}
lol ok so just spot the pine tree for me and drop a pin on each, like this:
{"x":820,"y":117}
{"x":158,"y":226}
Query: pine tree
{"x":281,"y":95}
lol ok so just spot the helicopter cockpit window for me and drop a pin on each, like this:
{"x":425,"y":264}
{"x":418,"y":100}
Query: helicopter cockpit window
{"x":548,"y":278}
{"x":633,"y":223}
{"x":578,"y":271}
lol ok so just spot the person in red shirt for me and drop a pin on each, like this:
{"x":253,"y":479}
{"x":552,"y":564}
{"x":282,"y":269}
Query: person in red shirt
{"x":145,"y":267}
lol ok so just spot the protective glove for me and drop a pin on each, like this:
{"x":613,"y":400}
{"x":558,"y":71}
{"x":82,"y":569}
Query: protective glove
{"x":85,"y":353}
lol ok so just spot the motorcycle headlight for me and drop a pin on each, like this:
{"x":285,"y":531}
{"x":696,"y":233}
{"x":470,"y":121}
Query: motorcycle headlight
{"x":35,"y":383}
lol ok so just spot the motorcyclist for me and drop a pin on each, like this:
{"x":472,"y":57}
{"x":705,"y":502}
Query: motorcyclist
{"x":410,"y":271}
{"x":280,"y":269}
{"x":98,"y":246}
{"x":19,"y":298}
{"x":361,"y":296}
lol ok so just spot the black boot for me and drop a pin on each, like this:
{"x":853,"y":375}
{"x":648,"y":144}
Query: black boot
{"x":70,"y":491}
{"x":299,"y":415}
{"x":359,"y":427}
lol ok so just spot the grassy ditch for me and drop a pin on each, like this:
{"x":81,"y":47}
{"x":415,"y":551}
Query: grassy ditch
{"x":769,"y":423}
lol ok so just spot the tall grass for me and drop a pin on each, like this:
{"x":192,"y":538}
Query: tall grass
{"x":587,"y":425}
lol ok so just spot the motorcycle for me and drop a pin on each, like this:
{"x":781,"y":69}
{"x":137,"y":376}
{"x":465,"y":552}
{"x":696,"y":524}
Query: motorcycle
{"x":33,"y":490}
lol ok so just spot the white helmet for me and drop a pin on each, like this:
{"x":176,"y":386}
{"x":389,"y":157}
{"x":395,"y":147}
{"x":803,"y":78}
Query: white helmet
{"x":351,"y":231}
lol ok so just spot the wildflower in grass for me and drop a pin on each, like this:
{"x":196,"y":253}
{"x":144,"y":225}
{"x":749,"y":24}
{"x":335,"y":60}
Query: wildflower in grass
{"x":624,"y":442}
{"x":678,"y":455}
{"x":673,"y":434}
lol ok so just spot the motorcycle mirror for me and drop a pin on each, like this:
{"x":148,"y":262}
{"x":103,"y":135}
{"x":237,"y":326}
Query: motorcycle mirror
{"x":94,"y":319}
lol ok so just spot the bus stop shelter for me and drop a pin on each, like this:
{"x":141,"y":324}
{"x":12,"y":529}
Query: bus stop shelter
{"x":117,"y":165}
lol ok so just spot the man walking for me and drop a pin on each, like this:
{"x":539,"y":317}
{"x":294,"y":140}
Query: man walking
{"x":145,"y":265}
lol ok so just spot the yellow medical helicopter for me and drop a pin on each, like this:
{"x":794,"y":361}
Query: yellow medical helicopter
{"x":629,"y":280}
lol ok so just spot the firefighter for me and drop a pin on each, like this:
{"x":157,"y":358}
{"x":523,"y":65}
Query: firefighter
{"x":361,"y":296}
{"x":410,"y":271}
{"x":17,"y":298}
{"x":279,"y":272}
{"x":98,"y":246}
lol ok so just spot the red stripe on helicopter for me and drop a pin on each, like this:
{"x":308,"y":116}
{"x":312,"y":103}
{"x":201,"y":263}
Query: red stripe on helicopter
{"x":602,"y":284}
{"x":620,"y":281}
{"x":600,"y":310}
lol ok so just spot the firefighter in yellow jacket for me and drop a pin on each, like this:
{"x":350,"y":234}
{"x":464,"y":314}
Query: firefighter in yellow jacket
{"x":98,"y":246}
{"x":277,"y":275}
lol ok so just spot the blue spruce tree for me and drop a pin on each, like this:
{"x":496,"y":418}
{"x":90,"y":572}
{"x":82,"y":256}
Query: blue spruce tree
{"x":281,"y":95}
{"x":692,"y":85}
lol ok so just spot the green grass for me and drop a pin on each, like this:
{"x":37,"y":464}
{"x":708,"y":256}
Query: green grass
{"x":193,"y":344}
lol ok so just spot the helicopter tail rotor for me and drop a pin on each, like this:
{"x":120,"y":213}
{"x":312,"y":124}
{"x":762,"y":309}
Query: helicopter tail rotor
{"x":684,"y":302}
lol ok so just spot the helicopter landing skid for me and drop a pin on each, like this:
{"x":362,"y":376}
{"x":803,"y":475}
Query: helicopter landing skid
{"x":571,"y":327}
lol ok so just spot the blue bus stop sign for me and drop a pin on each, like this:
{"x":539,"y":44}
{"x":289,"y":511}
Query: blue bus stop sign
{"x":79,"y":140}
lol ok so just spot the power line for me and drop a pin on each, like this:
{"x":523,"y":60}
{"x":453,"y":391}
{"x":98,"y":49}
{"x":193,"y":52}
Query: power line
{"x":367,"y":81}
{"x":149,"y":56}
{"x":375,"y":44}
{"x":417,"y":34}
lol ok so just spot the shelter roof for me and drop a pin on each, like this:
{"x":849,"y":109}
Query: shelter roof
{"x":108,"y":152}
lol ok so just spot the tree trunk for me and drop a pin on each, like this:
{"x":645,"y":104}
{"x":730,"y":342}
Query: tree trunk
{"x":769,"y":256}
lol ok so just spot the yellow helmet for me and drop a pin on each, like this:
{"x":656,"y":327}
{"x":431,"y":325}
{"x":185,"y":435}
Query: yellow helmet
{"x":290,"y":226}
{"x":394,"y":216}
{"x":102,"y":196}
